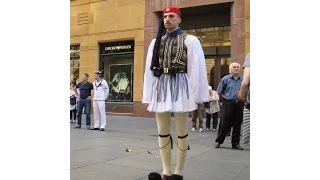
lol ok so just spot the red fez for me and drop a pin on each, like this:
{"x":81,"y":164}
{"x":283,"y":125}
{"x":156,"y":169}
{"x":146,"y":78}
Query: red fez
{"x":172,"y":9}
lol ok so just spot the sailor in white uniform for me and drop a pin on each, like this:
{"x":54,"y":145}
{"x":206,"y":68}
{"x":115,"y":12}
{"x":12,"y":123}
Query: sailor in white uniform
{"x":175,"y":80}
{"x":101,"y":92}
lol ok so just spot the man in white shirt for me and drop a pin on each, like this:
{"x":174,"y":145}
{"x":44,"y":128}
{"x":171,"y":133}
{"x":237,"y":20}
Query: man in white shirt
{"x":101,"y":92}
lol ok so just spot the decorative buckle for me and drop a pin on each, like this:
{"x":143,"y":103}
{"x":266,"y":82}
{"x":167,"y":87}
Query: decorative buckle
{"x":165,"y":70}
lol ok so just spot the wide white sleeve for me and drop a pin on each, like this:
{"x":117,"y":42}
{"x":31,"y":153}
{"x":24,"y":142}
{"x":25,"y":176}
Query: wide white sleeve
{"x":148,"y":76}
{"x":105,"y":89}
{"x":197,"y":72}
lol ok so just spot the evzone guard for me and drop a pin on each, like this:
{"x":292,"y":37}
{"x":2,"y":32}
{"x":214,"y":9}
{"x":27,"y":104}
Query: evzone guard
{"x":175,"y":81}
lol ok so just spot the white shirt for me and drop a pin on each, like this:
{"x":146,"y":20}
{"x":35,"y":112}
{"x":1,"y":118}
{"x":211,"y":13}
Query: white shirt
{"x":197,"y":78}
{"x":100,"y":90}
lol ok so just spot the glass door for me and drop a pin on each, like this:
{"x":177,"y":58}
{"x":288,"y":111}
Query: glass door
{"x":211,"y":69}
{"x":225,"y":61}
{"x":217,"y":68}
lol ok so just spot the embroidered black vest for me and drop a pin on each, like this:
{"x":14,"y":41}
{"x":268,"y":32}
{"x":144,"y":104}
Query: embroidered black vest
{"x":173,"y":52}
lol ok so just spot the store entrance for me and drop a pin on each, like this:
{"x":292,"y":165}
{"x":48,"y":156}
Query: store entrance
{"x":218,"y":60}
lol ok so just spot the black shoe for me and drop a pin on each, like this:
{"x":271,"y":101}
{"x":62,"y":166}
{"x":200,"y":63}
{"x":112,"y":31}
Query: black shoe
{"x":101,"y":129}
{"x":95,"y":129}
{"x":237,"y":147}
{"x":217,"y":145}
{"x":77,"y":127}
{"x":154,"y":176}
{"x":175,"y":177}
{"x":165,"y":177}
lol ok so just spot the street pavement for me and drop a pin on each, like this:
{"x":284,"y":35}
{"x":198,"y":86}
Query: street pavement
{"x":99,"y":155}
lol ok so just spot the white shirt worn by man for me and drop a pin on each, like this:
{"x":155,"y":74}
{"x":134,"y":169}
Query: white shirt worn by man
{"x":101,"y":90}
{"x":197,"y":78}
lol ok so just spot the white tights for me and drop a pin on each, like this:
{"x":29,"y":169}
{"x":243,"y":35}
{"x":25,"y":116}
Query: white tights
{"x":163,"y":121}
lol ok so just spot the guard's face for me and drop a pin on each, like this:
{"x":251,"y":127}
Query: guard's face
{"x":171,"y":20}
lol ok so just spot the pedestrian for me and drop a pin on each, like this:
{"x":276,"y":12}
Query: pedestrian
{"x":244,"y":95}
{"x":101,"y":91}
{"x":232,"y":112}
{"x":84,"y":100}
{"x":73,"y":103}
{"x":198,"y":113}
{"x":212,"y":110}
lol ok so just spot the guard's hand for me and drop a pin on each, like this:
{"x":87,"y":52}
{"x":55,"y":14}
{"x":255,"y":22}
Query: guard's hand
{"x":146,"y":106}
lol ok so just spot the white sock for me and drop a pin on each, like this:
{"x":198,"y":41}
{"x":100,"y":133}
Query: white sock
{"x":163,"y":121}
{"x":182,"y":130}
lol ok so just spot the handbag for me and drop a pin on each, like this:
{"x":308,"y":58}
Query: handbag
{"x":207,"y":104}
{"x":73,"y":100}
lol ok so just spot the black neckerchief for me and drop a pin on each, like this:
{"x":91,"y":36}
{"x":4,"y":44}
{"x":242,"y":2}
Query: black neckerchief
{"x":95,"y":84}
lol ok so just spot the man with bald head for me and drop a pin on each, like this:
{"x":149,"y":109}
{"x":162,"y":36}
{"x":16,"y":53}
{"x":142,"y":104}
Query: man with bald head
{"x":232,"y":107}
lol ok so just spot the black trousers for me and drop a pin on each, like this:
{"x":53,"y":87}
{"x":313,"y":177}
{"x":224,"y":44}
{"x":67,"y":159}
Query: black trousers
{"x":220,"y":123}
{"x":220,"y":128}
{"x":74,"y":113}
{"x":214,"y":117}
{"x":232,"y":116}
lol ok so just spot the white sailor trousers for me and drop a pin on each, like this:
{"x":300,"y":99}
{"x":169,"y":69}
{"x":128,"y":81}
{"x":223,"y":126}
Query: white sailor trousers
{"x":99,"y":113}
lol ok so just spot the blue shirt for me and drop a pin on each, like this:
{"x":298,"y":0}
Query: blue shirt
{"x":85,"y":89}
{"x":229,"y":86}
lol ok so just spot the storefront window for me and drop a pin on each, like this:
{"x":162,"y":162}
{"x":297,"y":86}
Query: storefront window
{"x":225,"y":62}
{"x":217,"y":68}
{"x":74,"y":61}
{"x":214,"y":36}
{"x":116,"y":61}
{"x":210,"y":61}
{"x":118,"y":72}
{"x":216,"y":44}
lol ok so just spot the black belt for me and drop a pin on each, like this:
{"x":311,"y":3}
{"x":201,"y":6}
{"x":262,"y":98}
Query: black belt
{"x":168,"y":71}
{"x":231,"y":100}
{"x":157,"y":71}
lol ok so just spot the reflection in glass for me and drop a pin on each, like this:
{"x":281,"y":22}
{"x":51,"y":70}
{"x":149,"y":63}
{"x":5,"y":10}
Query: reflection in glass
{"x":225,"y":62}
{"x":74,"y":61}
{"x":74,"y":68}
{"x":120,"y":83}
{"x":215,"y":36}
{"x":118,"y":72}
{"x":210,"y":62}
